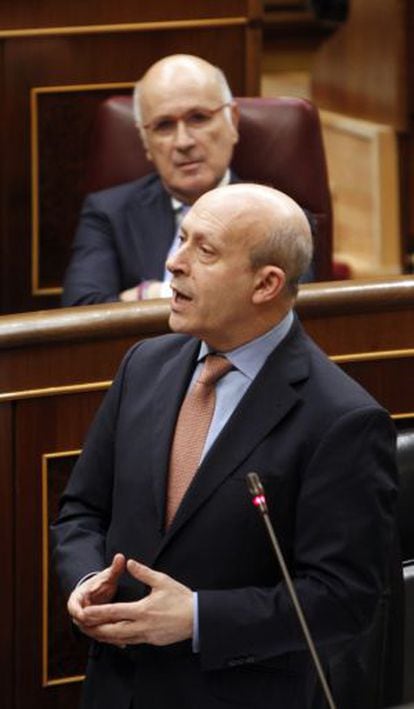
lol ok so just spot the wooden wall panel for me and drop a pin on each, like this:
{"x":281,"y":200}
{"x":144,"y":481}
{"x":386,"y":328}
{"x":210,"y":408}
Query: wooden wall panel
{"x":49,"y":661}
{"x":56,"y":63}
{"x":364,"y":178}
{"x":62,"y":120}
{"x":378,"y":375}
{"x":358,"y":74}
{"x":7,"y":601}
{"x":50,"y":14}
{"x":64,"y":653}
{"x":366,"y":70}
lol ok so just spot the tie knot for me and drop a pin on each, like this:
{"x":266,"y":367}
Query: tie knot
{"x":215,"y":367}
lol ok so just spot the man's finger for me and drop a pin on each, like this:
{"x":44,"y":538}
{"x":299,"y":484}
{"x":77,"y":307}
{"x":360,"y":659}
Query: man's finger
{"x":109,"y":613}
{"x":117,"y":566}
{"x":115,"y":634}
{"x":144,"y":574}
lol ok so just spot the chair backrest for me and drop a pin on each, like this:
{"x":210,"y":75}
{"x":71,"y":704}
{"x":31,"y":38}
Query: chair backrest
{"x":408,"y":695}
{"x":280,"y":145}
{"x":405,"y":516}
{"x":405,"y":512}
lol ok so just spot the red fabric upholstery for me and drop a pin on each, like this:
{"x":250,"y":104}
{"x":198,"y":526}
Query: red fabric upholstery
{"x":280,"y":145}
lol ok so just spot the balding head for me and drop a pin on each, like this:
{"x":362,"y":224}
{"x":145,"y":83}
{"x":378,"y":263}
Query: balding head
{"x":188,"y":123}
{"x":244,"y":247}
{"x":186,"y":69}
{"x":276,"y":228}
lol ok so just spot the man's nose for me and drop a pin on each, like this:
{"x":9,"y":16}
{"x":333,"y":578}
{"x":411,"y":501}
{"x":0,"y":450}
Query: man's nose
{"x":171,"y":263}
{"x":177,"y":262}
{"x":183,"y":137}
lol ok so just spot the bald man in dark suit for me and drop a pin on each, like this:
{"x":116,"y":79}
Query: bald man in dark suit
{"x":188,"y":123}
{"x":186,"y":607}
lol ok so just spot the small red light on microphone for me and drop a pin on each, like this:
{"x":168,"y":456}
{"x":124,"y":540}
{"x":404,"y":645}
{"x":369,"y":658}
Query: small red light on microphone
{"x":259,"y":500}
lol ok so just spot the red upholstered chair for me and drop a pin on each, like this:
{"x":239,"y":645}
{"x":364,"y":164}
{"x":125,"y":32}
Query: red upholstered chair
{"x":280,"y":145}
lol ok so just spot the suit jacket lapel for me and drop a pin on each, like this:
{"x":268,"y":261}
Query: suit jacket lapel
{"x":268,"y":400}
{"x":151,"y":220}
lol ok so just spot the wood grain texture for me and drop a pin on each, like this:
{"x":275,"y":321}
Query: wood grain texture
{"x":365,"y":70}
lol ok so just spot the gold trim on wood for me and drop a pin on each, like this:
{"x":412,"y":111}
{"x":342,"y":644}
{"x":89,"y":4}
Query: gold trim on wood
{"x":372,"y":356}
{"x":48,"y":291}
{"x":52,"y":391}
{"x":125,"y":27}
{"x":64,"y":88}
{"x":34,"y":164}
{"x":66,"y":680}
{"x":46,"y":682}
{"x":36,"y":289}
{"x":99,"y":386}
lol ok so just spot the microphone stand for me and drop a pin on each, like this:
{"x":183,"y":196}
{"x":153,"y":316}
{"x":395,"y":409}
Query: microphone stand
{"x":259,"y":500}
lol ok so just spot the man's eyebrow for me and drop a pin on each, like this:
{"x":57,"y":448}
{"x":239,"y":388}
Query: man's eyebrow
{"x":197,"y":235}
{"x":171,"y":114}
{"x":202,"y":236}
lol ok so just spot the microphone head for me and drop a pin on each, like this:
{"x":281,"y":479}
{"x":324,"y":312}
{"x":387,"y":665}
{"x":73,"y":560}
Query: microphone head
{"x":254,"y":484}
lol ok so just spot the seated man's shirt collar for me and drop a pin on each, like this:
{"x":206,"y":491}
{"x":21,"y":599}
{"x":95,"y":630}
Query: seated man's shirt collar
{"x":225,"y":180}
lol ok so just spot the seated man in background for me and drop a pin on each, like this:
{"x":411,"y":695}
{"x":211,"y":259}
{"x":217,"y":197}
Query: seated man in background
{"x":166,"y":565}
{"x":188,"y":124}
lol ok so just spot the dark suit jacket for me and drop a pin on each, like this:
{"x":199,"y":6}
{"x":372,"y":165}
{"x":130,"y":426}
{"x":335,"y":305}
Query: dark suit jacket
{"x":123,"y":238}
{"x":325,"y":452}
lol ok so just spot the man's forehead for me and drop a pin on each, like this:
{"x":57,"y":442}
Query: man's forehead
{"x":184,"y":92}
{"x":218,"y":220}
{"x":250,"y":203}
{"x":222,"y":206}
{"x":204,"y":219}
{"x":189,"y":68}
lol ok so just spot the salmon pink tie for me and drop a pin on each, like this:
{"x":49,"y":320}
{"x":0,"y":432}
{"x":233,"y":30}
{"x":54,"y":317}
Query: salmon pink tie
{"x":191,"y":430}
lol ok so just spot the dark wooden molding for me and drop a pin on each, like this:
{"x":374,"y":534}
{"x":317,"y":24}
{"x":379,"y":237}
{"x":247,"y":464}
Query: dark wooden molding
{"x":89,"y":322}
{"x":93,"y":322}
{"x":353,"y":297}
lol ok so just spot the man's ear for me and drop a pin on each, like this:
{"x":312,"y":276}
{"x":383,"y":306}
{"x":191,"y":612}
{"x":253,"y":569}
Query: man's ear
{"x":144,"y":141}
{"x":148,"y":154}
{"x":235,"y":118}
{"x":269,"y":283}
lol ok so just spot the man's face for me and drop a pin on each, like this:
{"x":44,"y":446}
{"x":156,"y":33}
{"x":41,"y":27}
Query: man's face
{"x":213,"y":280}
{"x":190,"y":153}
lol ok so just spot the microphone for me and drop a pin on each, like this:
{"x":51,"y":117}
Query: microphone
{"x":257,"y":492}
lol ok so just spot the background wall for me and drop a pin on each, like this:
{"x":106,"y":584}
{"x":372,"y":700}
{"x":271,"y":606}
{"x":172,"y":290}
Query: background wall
{"x":57,"y":62}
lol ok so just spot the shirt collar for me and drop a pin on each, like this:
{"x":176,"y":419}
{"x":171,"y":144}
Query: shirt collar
{"x":250,"y":357}
{"x":177,"y":205}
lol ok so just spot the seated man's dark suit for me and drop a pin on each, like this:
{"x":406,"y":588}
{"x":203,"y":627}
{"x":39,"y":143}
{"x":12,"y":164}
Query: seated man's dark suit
{"x":123,"y":238}
{"x":325,"y":452}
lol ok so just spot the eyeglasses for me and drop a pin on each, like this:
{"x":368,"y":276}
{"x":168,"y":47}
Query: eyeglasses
{"x":194,"y":120}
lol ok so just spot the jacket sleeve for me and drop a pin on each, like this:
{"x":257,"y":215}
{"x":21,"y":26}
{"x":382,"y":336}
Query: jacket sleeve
{"x":93,"y":274}
{"x":78,"y":534}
